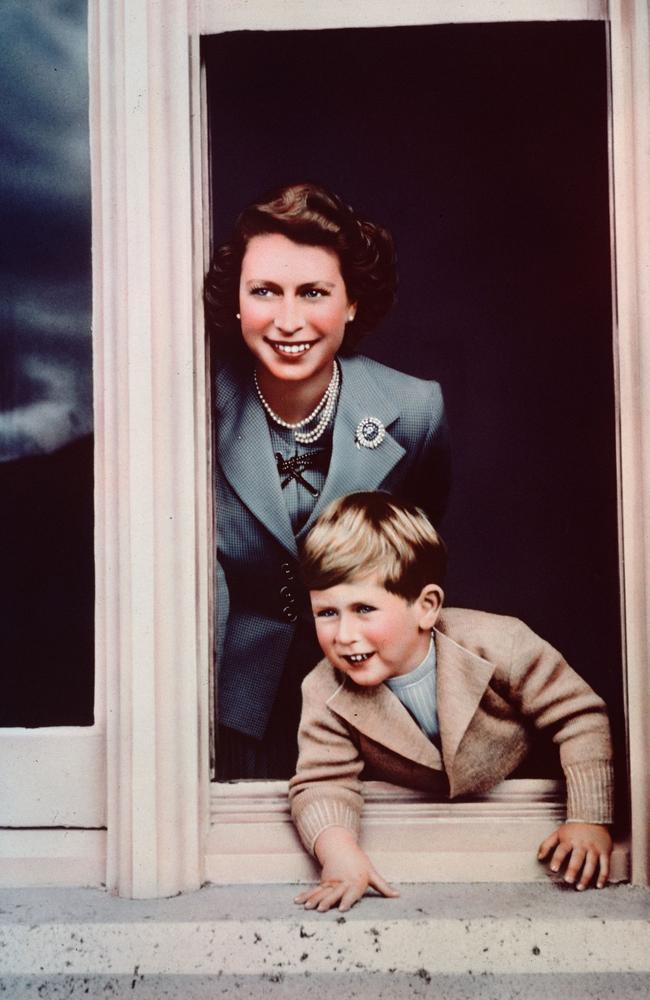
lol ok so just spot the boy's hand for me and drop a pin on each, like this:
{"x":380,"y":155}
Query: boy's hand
{"x":347,"y":873}
{"x":589,"y":846}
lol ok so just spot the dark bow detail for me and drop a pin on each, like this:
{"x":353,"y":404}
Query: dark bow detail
{"x":292,"y":468}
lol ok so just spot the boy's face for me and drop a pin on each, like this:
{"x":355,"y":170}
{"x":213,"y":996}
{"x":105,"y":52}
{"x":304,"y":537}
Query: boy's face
{"x":371,"y":634}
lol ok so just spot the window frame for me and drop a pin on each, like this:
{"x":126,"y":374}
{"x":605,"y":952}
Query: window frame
{"x":167,"y":828}
{"x":251,"y":854}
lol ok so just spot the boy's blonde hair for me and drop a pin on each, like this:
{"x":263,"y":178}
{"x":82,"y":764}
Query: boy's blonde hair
{"x":365,"y":533}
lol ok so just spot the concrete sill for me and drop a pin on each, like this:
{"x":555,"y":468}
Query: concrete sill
{"x":256,"y":931}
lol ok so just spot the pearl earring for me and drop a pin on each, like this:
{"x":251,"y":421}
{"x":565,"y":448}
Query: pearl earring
{"x":238,"y":315}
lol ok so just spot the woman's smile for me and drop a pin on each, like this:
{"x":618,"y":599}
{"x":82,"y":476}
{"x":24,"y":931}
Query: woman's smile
{"x":291,"y":349}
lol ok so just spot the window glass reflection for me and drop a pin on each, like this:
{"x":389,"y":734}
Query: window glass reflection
{"x":46,"y":573}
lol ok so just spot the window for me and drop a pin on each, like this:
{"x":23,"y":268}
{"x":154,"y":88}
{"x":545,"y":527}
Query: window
{"x":46,"y":363}
{"x":489,"y":164}
{"x":150,"y":202}
{"x":51,"y":734}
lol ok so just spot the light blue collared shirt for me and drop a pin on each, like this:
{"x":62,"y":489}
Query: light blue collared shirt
{"x":417,"y":692}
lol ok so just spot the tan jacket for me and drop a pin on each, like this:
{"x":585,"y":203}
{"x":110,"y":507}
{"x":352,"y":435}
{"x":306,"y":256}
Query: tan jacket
{"x":496,"y":681}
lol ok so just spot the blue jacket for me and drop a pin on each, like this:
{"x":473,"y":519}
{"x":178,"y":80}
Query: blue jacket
{"x":261,"y":602}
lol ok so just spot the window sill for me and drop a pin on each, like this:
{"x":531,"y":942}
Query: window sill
{"x":410,"y":837}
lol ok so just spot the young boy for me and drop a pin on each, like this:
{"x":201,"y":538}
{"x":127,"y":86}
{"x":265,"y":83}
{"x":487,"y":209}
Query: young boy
{"x":432,"y":699}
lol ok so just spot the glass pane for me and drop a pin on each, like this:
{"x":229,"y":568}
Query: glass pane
{"x":46,"y":540}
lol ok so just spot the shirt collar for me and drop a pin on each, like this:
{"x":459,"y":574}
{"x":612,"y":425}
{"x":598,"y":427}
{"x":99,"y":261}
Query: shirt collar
{"x":423,"y":669}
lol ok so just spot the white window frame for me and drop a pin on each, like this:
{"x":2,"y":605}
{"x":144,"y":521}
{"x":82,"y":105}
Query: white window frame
{"x":168,"y":829}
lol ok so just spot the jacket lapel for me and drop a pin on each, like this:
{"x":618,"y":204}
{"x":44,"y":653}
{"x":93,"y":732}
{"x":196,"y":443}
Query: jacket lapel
{"x":353,"y":468}
{"x":246,"y":454}
{"x":461,"y":680}
{"x":380,"y":715}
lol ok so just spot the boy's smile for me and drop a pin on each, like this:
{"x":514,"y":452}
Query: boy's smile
{"x":371,"y":634}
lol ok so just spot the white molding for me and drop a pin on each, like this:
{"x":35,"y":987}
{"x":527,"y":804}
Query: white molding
{"x":409,"y":836}
{"x":287,"y":15}
{"x":151,"y":450}
{"x":52,"y":857}
{"x":630,"y":74}
{"x":53,"y":777}
{"x":233,"y":802}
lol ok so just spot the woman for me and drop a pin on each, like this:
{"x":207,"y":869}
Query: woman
{"x":300,"y":419}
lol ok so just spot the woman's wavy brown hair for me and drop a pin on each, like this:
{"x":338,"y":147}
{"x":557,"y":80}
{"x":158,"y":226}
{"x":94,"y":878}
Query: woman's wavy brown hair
{"x":308,"y":214}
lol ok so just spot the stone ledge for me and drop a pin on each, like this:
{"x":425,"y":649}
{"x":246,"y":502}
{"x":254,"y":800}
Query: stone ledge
{"x":451,"y":930}
{"x":368,"y":986}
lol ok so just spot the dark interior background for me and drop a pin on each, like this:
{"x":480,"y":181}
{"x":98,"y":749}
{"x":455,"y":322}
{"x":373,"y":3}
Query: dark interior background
{"x":47,"y":587}
{"x":483,"y":148}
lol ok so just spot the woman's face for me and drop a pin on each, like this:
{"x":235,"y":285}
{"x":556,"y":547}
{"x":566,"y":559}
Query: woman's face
{"x":293,"y":306}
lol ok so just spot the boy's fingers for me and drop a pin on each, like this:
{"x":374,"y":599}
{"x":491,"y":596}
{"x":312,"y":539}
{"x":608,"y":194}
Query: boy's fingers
{"x":307,"y":894}
{"x":575,"y":864}
{"x":327,"y":894}
{"x":316,"y":902}
{"x":547,"y":845}
{"x":352,"y":895}
{"x":588,"y":870}
{"x":315,"y":896}
{"x":331,"y":898}
{"x":303,"y":896}
{"x":381,"y":885}
{"x":603,"y":871}
{"x":559,"y":854}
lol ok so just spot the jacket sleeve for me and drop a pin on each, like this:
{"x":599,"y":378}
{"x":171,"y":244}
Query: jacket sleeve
{"x":326,"y":789}
{"x":430,"y":481}
{"x":556,"y":699}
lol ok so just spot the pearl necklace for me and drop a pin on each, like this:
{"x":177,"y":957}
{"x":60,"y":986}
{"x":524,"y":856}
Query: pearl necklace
{"x":325,"y":407}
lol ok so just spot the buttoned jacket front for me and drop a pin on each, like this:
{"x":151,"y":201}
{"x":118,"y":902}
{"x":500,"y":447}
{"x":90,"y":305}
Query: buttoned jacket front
{"x":261,"y":603}
{"x":496,"y":683}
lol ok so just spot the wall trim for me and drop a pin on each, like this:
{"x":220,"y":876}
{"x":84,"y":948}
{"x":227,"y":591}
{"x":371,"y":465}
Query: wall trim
{"x":52,"y":858}
{"x":290,"y":15}
{"x":55,"y":776}
{"x":151,"y":494}
{"x":630,"y":82}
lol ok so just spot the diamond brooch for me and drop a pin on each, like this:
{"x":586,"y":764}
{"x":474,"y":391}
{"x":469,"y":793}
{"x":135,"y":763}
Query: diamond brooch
{"x":370,"y":433}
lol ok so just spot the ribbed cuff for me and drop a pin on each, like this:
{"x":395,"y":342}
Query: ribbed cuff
{"x":590,"y":791}
{"x":317,"y":816}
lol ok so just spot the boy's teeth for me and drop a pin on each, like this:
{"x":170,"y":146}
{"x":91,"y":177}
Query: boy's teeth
{"x":358,"y":657}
